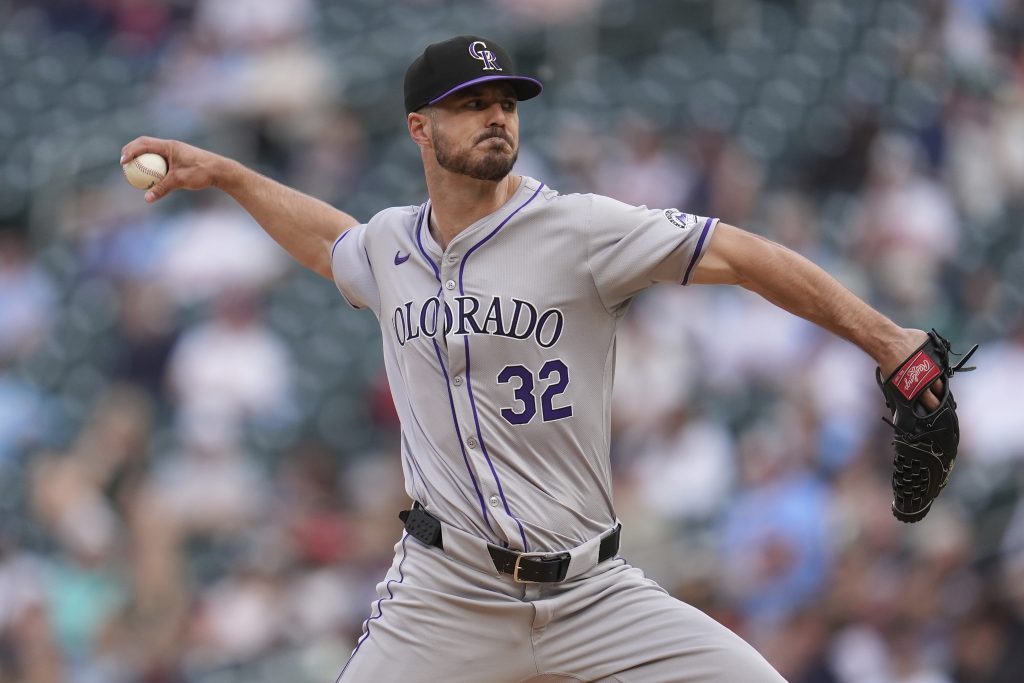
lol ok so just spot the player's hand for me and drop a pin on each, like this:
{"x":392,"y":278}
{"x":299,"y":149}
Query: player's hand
{"x":188,"y":167}
{"x":898,"y":353}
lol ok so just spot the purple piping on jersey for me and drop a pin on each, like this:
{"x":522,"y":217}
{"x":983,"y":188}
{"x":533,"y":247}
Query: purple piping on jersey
{"x":484,"y":79}
{"x":469,"y":382}
{"x":458,"y":433}
{"x":338,"y":241}
{"x":447,"y":384}
{"x":696,"y":252}
{"x":335,"y":246}
{"x":483,"y":447}
{"x":380,"y":609}
{"x":419,"y":243}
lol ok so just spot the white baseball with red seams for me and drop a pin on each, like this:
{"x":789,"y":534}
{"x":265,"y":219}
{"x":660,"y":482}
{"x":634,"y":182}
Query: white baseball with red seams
{"x":145,"y":170}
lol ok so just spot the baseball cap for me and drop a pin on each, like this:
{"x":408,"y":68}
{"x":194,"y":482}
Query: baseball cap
{"x":458,"y":63}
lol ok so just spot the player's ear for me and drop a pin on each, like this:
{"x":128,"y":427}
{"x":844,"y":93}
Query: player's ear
{"x":419,"y":123}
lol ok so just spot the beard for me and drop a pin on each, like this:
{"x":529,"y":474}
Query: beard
{"x":493,"y":165}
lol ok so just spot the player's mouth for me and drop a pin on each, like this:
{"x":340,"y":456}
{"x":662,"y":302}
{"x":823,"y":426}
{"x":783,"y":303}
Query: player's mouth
{"x":504,"y":137}
{"x":495,"y":144}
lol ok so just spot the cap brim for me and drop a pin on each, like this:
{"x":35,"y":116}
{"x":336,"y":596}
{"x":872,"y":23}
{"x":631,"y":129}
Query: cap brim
{"x":526,"y":88}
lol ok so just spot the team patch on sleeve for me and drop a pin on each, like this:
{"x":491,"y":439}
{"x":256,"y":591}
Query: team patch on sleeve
{"x":686,"y":221}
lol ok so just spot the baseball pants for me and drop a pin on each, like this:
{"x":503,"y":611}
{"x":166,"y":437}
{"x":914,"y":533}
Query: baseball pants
{"x":438,"y":619}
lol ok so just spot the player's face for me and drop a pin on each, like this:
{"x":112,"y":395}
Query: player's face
{"x":475,"y":132}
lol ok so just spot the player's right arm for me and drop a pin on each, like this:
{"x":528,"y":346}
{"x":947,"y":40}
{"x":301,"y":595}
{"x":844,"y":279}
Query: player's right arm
{"x":306,"y":227}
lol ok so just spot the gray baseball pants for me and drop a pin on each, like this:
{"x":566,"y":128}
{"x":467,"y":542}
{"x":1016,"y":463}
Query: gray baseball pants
{"x":438,"y":619}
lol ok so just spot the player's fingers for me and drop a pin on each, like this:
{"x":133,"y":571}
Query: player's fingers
{"x":143,"y":144}
{"x":167,"y":184}
{"x":932,"y":395}
{"x":136,"y":147}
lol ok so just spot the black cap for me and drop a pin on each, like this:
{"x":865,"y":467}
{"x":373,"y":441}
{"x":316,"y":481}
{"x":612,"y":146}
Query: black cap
{"x":458,"y":63}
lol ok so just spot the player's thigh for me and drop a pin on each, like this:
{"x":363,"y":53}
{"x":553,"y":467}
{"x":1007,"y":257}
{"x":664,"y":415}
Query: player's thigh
{"x":703,"y":651}
{"x":435,"y":619}
{"x":683,"y":670}
{"x":622,"y":627}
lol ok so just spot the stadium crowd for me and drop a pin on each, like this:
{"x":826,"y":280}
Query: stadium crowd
{"x":199,"y":469}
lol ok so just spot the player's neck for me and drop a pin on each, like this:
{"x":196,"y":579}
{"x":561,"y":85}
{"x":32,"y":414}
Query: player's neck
{"x":458,"y":202}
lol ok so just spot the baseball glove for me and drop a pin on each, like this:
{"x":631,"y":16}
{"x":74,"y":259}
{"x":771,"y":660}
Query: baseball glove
{"x":926,"y":442}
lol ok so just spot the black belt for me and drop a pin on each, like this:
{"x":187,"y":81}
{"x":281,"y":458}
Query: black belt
{"x":524,"y":567}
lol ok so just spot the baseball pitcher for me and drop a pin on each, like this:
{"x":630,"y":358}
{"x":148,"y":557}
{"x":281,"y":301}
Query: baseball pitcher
{"x":498,"y":300}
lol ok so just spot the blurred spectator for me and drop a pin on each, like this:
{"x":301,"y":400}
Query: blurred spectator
{"x":844,"y":409}
{"x":1012,"y":563}
{"x":233,"y":25}
{"x":540,"y":14}
{"x":247,"y":61}
{"x":1008,"y":141}
{"x":27,"y":648}
{"x":775,"y":535}
{"x":83,"y":593}
{"x":579,"y":148}
{"x":683,"y":467}
{"x":229,"y":370}
{"x":645,"y":169}
{"x":839,"y":160}
{"x":91,"y":18}
{"x":25,"y":415}
{"x":656,"y":364}
{"x":728,"y":181}
{"x":991,"y":431}
{"x":209,"y":486}
{"x":28,"y":299}
{"x":799,"y":648}
{"x":147,"y":335}
{"x":322,"y":597}
{"x":975,"y":179}
{"x":864,"y":656}
{"x":86,"y":499}
{"x":792,"y":221}
{"x":987,"y":646}
{"x":215,"y":248}
{"x":237,"y":617}
{"x":82,"y":495}
{"x":333,"y":159}
{"x":729,"y":361}
{"x":312,"y":507}
{"x":908,"y":228}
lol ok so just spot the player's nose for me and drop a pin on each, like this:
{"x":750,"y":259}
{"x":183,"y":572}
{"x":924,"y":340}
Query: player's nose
{"x":496,"y":115}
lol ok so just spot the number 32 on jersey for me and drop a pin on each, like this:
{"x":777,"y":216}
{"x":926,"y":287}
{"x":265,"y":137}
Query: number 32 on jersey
{"x":553,"y":376}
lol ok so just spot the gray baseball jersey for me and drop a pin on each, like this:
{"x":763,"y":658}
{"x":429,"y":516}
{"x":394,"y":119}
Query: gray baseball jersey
{"x":500,"y":351}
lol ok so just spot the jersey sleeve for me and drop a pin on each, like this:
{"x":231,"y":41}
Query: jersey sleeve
{"x":632,"y":247}
{"x":350,"y":265}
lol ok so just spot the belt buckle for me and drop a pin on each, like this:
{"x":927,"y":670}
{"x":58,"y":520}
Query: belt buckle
{"x":519,"y":558}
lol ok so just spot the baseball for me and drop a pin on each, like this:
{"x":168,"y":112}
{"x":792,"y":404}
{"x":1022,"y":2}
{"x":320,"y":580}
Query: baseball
{"x":145,"y":170}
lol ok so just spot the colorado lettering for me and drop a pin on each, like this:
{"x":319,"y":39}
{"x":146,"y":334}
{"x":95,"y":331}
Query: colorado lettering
{"x":515,"y":319}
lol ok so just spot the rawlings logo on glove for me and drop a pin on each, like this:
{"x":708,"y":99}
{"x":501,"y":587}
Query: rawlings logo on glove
{"x":926,"y":441}
{"x":917,"y":373}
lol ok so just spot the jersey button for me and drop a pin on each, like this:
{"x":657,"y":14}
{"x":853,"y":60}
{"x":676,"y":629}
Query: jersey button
{"x":450,"y":284}
{"x":493,"y":500}
{"x":471,"y":442}
{"x":457,"y":380}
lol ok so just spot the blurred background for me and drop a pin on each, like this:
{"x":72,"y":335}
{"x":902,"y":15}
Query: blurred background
{"x":199,"y":469}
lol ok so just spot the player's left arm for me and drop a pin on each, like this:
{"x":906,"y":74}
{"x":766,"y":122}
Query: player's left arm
{"x":794,"y":283}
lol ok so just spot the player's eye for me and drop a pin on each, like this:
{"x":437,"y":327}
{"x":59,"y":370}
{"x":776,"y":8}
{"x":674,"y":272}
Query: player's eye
{"x":509,"y":105}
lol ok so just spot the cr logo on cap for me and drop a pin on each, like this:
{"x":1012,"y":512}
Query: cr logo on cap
{"x":478,"y":50}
